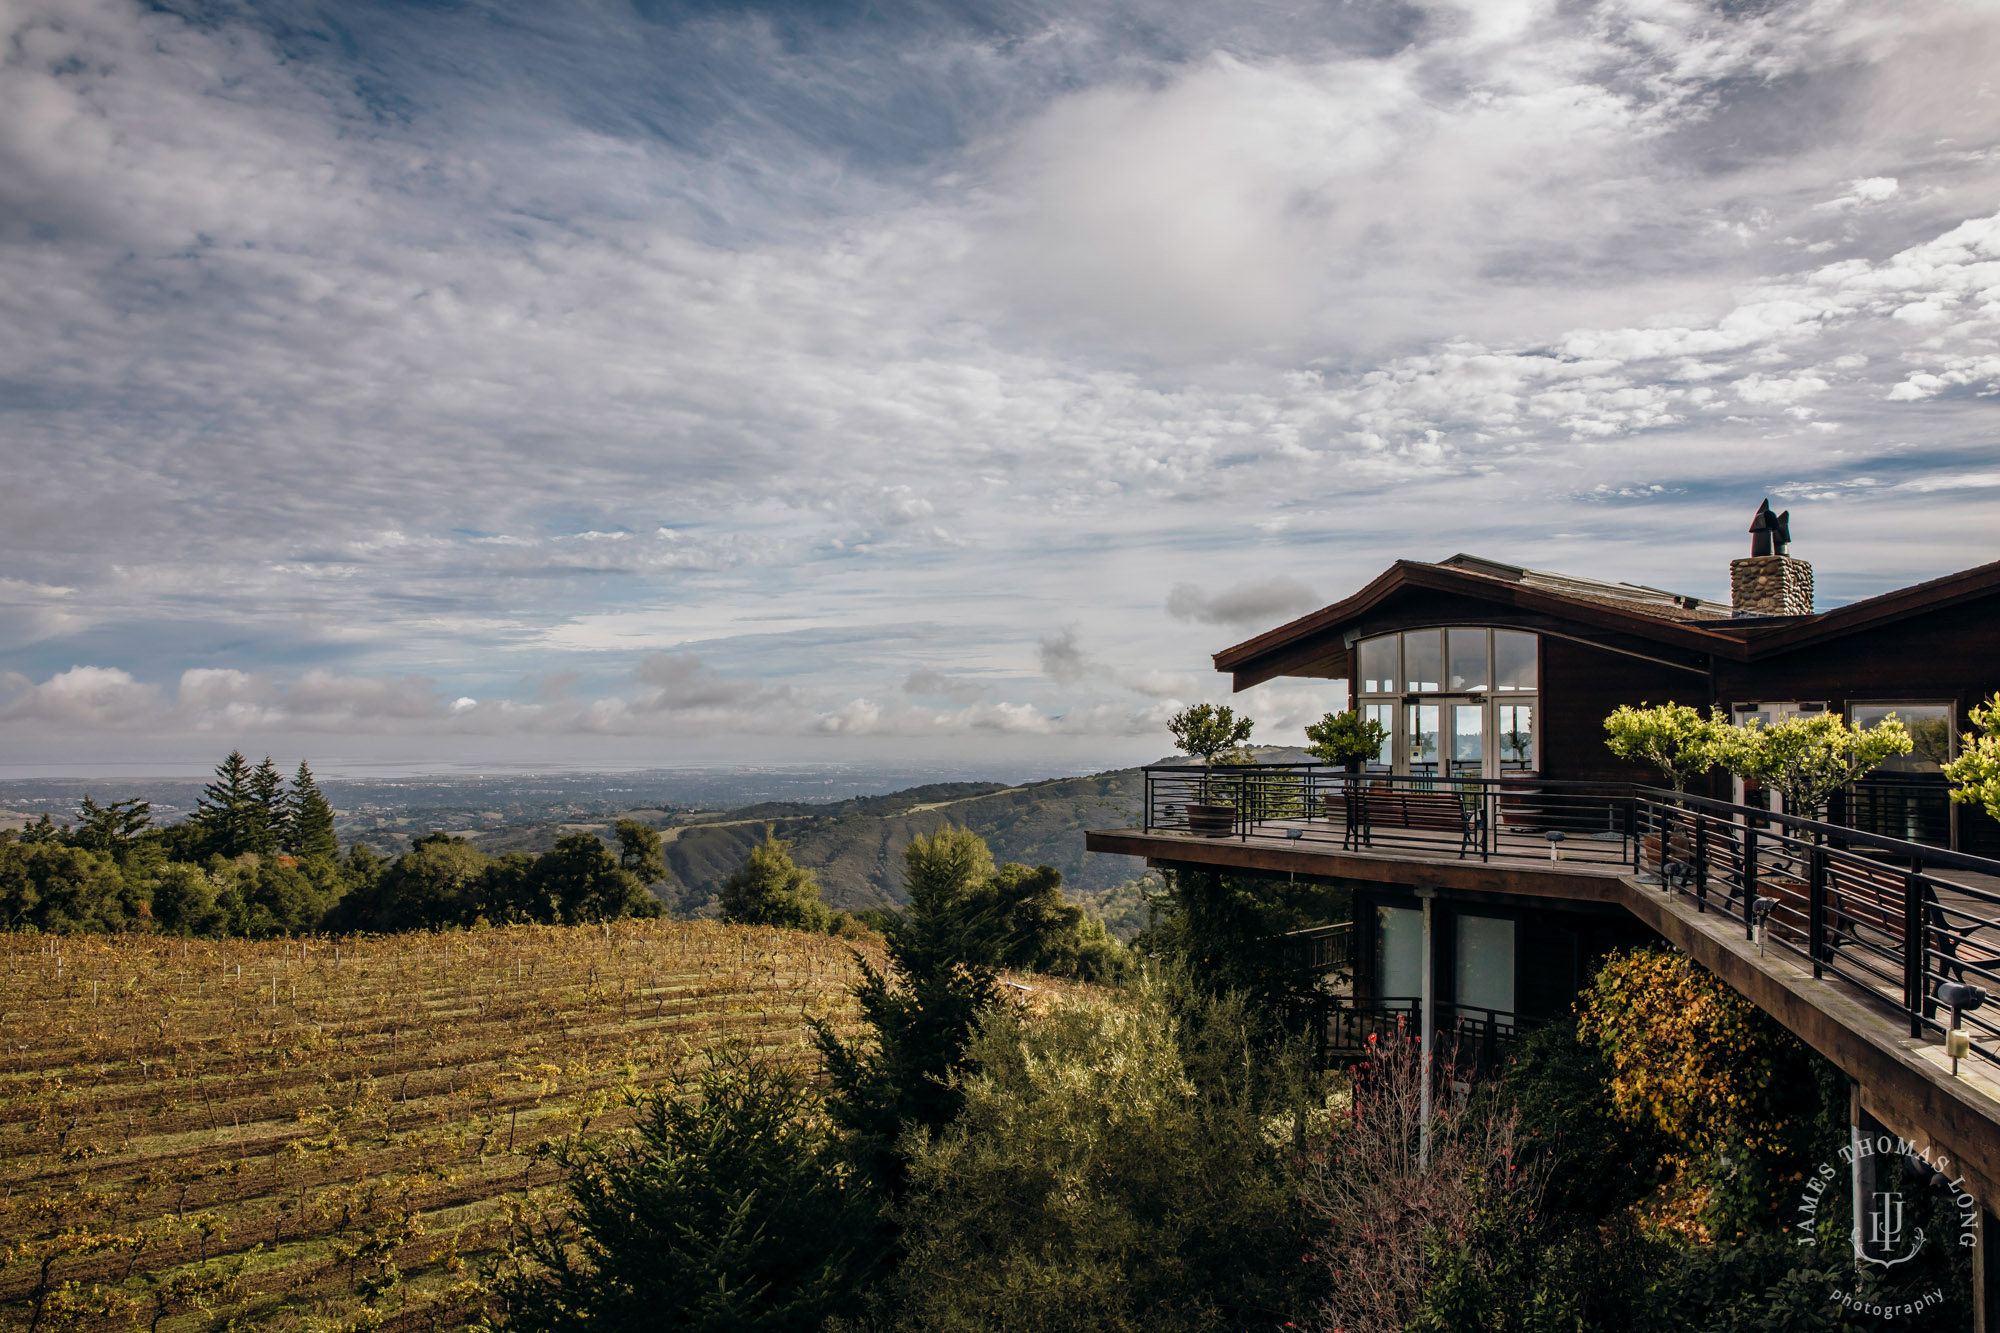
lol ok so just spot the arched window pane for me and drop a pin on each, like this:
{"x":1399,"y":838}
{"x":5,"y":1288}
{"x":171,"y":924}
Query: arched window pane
{"x":1423,"y":659}
{"x":1513,"y":660}
{"x":1468,"y":659}
{"x":1378,"y":665}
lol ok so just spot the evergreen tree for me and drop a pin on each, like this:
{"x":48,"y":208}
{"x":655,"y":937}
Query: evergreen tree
{"x":640,"y":851}
{"x":267,"y":809}
{"x":941,"y":978}
{"x":226,"y":812}
{"x":105,"y":828}
{"x":770,"y":889}
{"x":309,"y":819}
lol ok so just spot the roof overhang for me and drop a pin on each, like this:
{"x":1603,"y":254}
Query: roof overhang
{"x":1317,"y":644}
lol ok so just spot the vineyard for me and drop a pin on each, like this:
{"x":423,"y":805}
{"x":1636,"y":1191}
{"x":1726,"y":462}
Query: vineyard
{"x":337,"y":1134}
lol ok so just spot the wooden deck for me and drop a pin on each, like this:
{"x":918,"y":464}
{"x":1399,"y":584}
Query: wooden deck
{"x":1856,"y":1021}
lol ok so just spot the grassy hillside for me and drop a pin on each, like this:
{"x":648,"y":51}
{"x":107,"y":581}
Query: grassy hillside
{"x":857,"y":851}
{"x":311,"y":1136}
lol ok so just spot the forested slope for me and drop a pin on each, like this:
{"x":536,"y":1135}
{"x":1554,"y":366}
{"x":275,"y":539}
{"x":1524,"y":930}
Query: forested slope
{"x":856,"y":852}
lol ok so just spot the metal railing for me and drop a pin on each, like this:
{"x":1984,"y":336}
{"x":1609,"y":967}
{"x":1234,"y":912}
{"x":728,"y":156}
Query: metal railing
{"x":1516,"y":816}
{"x":1469,"y":1041}
{"x":1890,"y":916}
{"x":1894,"y":917}
{"x":1320,"y":949}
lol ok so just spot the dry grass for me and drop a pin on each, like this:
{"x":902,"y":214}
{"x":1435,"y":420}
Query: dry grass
{"x":323,"y":1134}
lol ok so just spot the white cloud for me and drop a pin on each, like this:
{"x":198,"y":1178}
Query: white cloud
{"x":1263,"y":602}
{"x":407,"y":402}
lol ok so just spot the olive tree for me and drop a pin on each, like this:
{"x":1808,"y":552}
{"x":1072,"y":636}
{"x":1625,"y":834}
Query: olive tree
{"x":1346,"y":738}
{"x":1674,"y":738}
{"x":1806,"y":759}
{"x":1975,"y":774}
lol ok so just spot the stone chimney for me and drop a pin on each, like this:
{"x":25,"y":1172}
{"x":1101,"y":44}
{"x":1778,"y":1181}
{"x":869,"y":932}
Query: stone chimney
{"x":1770,"y":582}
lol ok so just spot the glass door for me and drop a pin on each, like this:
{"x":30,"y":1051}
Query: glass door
{"x":1420,"y":738}
{"x":1468,"y":739}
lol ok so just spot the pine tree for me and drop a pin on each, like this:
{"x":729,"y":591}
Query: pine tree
{"x":309,"y":823}
{"x":267,"y":809}
{"x":225,"y":812}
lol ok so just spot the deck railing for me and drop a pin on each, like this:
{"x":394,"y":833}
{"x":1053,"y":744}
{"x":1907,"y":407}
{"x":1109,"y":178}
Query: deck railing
{"x":1514,"y":816}
{"x":1470,"y":1041}
{"x":1892,"y":917}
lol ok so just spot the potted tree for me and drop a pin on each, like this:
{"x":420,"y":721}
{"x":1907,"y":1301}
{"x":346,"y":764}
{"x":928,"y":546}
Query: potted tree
{"x":1806,"y":759}
{"x":1675,"y":739}
{"x":1215,"y":736}
{"x":1346,"y":739}
{"x":1975,"y":774}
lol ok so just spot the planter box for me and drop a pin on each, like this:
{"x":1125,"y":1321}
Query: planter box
{"x":1211,"y":821}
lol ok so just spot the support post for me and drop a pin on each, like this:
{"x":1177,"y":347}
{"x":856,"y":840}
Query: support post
{"x":1816,"y":908}
{"x":1913,"y":953}
{"x":1426,"y":1029}
{"x":1749,"y":881}
{"x":1700,"y":862}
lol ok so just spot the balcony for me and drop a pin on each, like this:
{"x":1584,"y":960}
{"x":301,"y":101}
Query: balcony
{"x":1884,"y":919}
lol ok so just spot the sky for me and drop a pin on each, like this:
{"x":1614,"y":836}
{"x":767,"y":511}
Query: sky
{"x":558,"y":383}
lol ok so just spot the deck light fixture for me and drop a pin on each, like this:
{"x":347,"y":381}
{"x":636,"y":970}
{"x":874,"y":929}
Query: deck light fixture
{"x":1555,"y":837}
{"x":1760,"y":919}
{"x":1962,"y":999}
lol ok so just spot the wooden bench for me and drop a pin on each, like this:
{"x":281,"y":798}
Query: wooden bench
{"x":1864,"y":906}
{"x":1379,"y":805}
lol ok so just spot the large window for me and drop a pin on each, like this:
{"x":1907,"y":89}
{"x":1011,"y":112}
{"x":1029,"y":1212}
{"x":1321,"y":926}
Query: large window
{"x":1907,"y":797}
{"x":1459,"y":702}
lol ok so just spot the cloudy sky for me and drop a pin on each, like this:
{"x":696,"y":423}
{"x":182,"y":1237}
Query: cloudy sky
{"x":613,"y":383}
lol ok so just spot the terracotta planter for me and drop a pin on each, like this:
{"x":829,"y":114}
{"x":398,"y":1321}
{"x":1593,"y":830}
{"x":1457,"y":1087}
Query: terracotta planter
{"x":1211,"y":821}
{"x":1678,"y":848}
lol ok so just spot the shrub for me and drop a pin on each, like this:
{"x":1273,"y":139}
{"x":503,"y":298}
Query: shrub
{"x":1807,"y":759}
{"x":1346,"y":738}
{"x":770,"y":889}
{"x":725,"y":1210}
{"x":1743,"y":1105}
{"x":1115,"y":1167}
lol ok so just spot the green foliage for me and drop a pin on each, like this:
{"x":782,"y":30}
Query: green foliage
{"x":1975,"y":774}
{"x":1595,"y":1160}
{"x":266,"y":897}
{"x":1806,"y":759}
{"x":580,"y":880}
{"x":770,"y":889}
{"x":111,"y":828}
{"x":922,"y":1010}
{"x":51,"y":886}
{"x":640,"y":852}
{"x":1346,"y":738}
{"x":728,"y":1209}
{"x":1227,"y":930}
{"x":1742,"y":1105}
{"x":1039,"y":930}
{"x":1207,"y":731}
{"x":225,"y":819}
{"x":1674,"y":738}
{"x":267,"y":810}
{"x":1114,"y":1168}
{"x":440,"y":881}
{"x":308,"y":818}
{"x":184,"y":901}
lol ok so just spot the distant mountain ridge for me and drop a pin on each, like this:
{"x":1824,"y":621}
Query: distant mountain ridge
{"x":855,"y":847}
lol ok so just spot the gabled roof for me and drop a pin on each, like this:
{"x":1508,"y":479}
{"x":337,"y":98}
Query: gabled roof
{"x":1687,"y":623}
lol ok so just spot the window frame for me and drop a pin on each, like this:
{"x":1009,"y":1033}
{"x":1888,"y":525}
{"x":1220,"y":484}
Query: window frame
{"x":1485,"y":693}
